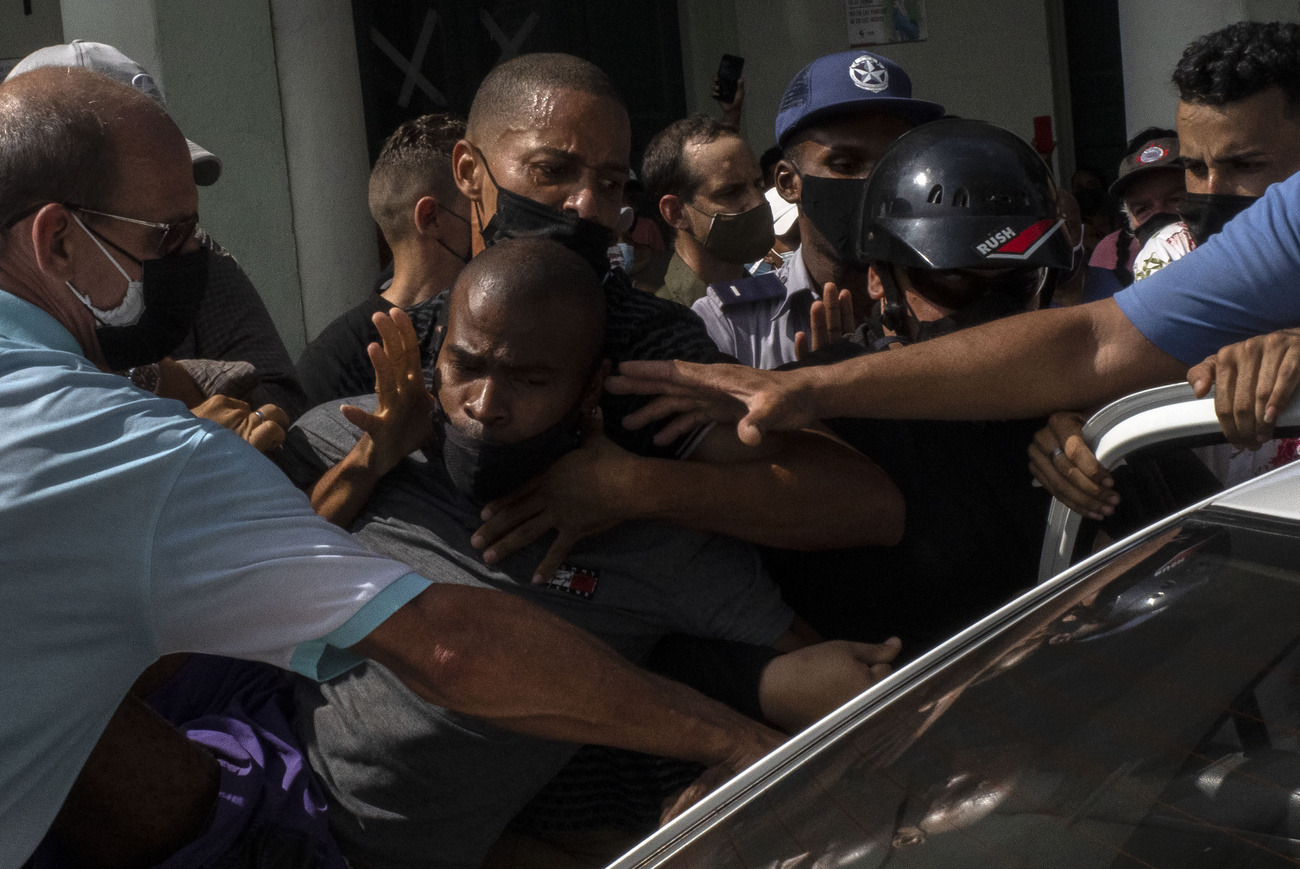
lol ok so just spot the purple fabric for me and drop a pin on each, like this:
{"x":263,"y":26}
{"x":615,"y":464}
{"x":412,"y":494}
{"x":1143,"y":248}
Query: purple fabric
{"x":268,"y":801}
{"x":240,"y":711}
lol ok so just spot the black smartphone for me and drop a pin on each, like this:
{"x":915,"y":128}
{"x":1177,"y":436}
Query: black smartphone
{"x":729,"y":69}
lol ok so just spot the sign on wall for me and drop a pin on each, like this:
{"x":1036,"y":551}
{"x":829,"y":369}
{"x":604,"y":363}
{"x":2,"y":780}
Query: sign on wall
{"x":879,"y":22}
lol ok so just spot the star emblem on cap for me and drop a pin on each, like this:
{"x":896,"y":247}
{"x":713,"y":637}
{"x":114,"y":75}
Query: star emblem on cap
{"x":869,"y":74}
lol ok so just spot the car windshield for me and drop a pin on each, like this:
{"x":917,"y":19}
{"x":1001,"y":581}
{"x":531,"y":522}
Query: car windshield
{"x":1147,"y":715}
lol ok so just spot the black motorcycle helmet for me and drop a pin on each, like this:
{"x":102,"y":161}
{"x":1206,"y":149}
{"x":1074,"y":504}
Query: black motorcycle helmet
{"x":955,"y":198}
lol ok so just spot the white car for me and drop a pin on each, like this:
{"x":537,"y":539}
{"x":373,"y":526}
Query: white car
{"x":1140,"y":709}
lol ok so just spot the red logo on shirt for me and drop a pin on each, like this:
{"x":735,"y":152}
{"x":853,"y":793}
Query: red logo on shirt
{"x":575,"y":580}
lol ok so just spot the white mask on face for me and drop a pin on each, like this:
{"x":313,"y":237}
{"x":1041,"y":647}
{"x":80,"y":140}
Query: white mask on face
{"x":125,"y":314}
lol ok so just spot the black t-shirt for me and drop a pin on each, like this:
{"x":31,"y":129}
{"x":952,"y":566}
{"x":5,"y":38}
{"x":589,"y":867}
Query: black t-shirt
{"x":642,"y":326}
{"x":972,"y":537}
{"x":335,"y":365}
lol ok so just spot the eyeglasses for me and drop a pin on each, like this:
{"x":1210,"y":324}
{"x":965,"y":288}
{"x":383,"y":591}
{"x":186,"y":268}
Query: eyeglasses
{"x":174,"y":235}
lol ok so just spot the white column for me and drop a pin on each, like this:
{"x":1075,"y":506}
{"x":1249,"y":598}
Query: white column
{"x":1153,"y":35}
{"x":328,"y":157}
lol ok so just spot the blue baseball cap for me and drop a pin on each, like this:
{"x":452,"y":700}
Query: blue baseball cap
{"x":847,"y":82}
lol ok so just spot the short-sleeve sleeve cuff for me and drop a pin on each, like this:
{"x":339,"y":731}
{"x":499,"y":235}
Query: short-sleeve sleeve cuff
{"x":329,"y":656}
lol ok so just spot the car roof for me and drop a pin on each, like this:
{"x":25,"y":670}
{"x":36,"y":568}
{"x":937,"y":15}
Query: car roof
{"x":1276,"y":494}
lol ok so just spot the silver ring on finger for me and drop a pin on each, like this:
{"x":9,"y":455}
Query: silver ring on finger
{"x":1056,"y":452}
{"x":261,"y":417}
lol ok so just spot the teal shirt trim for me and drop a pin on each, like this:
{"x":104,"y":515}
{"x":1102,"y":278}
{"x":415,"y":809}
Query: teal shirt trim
{"x":327,"y":657}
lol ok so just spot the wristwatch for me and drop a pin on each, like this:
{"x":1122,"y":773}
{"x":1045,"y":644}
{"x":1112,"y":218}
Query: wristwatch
{"x":146,"y":377}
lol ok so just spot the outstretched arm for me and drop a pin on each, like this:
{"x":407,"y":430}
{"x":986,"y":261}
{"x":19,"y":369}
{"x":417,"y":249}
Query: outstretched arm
{"x":1022,"y":366}
{"x":800,"y":490}
{"x":492,"y":655}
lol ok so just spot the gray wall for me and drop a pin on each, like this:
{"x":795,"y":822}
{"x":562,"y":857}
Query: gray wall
{"x":1152,"y":40}
{"x":271,"y":88}
{"x":987,"y":59}
{"x":21,"y":34}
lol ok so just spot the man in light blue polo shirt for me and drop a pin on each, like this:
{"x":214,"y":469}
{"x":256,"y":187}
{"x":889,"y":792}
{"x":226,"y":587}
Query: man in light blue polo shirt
{"x":837,"y":117}
{"x":130,"y":529}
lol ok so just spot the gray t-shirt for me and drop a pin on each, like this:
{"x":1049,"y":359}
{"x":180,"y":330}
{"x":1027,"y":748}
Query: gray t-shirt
{"x":422,"y":786}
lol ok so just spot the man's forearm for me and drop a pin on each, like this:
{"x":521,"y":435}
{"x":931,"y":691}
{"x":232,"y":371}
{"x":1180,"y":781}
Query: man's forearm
{"x":488,"y":654}
{"x":344,"y":489}
{"x":1017,"y":367}
{"x":808,"y":492}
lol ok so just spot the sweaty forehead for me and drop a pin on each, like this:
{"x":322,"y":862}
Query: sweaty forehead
{"x":569,"y":120}
{"x":494,"y":324}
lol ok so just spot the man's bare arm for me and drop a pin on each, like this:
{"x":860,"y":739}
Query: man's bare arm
{"x":1023,"y":366}
{"x":800,"y":490}
{"x":806,"y":490}
{"x":489,"y":654}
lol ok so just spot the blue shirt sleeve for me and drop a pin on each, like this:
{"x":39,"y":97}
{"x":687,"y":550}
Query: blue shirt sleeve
{"x":1245,"y":281}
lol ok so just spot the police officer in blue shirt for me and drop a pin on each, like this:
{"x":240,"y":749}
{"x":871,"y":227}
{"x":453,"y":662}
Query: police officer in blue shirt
{"x":837,"y":117}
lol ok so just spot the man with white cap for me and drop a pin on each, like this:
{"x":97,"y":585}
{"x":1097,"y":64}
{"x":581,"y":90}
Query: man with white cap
{"x":233,"y":331}
{"x":836,"y":118}
{"x":706,"y":185}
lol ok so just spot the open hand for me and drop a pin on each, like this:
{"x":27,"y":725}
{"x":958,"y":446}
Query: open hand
{"x":755,"y":400}
{"x":832,"y":320}
{"x":400,"y":424}
{"x":1253,"y":381}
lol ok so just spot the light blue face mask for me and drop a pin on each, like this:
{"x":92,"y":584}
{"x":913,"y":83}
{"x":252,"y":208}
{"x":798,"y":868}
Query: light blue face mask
{"x":624,"y":255}
{"x":126,"y":314}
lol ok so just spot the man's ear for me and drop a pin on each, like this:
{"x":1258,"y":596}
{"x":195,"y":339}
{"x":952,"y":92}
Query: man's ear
{"x":672,"y":208}
{"x":875,"y":288}
{"x":591,"y":398}
{"x":464,"y":168}
{"x":425,"y":214}
{"x":787,"y":181}
{"x":50,"y":232}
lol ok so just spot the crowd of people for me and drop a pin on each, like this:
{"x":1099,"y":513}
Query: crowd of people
{"x":619,"y":474}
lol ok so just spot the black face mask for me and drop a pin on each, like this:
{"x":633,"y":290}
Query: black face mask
{"x":173,"y":289}
{"x":1013,"y":294}
{"x":833,"y":204}
{"x":1206,"y":213}
{"x":739,"y":238}
{"x":463,"y":257}
{"x":520,"y":217}
{"x":485,"y":471}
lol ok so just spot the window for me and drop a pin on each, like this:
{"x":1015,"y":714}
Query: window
{"x":1146,"y":715}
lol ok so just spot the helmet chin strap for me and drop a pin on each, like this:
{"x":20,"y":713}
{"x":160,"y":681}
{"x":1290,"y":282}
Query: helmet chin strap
{"x":894,"y":310}
{"x":890,"y":314}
